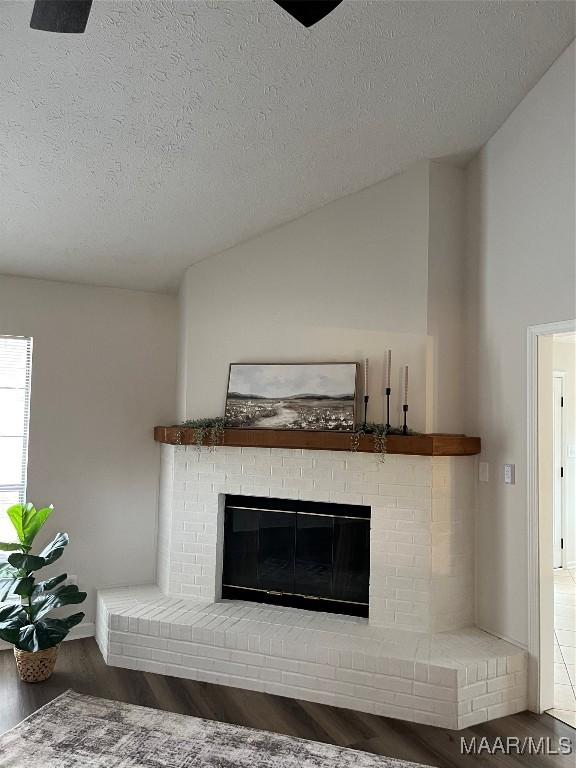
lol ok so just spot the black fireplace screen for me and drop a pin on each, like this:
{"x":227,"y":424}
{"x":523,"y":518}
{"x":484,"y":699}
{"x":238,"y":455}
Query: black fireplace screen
{"x":303,"y":554}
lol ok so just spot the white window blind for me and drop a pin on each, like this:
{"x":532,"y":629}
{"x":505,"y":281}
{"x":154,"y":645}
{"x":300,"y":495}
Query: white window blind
{"x":15,"y":371}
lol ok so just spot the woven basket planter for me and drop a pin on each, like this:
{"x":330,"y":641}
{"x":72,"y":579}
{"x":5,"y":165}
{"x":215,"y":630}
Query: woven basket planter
{"x":36,"y":666}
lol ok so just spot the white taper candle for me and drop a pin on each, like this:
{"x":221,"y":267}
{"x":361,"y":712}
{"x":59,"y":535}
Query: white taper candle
{"x":365,"y":377}
{"x":388,"y":368}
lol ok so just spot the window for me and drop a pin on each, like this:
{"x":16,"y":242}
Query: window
{"x":15,"y":369}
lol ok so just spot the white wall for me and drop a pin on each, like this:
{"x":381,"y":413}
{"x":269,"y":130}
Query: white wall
{"x":446,"y":282}
{"x":103,"y":374}
{"x":564,"y":361}
{"x":345,"y":282}
{"x":521,"y":272}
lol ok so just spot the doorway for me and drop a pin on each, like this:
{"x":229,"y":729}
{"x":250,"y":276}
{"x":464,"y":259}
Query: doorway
{"x":564,"y":544}
{"x":552,"y":518}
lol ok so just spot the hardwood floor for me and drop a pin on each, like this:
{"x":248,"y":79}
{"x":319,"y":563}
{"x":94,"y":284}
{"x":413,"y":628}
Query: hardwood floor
{"x":81,"y":667}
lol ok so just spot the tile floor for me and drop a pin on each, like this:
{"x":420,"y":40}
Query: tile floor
{"x":565,"y":645}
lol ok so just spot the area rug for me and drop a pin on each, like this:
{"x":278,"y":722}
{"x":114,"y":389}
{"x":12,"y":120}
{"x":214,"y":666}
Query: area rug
{"x":76,"y":731}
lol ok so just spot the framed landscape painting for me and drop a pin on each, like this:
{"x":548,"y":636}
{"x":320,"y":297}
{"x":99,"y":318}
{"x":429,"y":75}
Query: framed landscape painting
{"x":315,"y":396}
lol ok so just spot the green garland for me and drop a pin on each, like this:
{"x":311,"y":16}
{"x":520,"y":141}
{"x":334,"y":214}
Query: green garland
{"x":379,"y":433}
{"x":209,"y":431}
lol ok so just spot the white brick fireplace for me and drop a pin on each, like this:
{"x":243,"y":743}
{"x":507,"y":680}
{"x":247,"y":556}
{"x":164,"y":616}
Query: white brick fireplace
{"x":417,"y":656}
{"x":422,"y":529}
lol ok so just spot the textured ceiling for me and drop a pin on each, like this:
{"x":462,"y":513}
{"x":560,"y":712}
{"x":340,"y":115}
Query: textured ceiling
{"x":173,"y":130}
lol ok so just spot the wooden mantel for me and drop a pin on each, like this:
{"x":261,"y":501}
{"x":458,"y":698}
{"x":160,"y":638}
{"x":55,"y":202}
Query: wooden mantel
{"x":415,"y":445}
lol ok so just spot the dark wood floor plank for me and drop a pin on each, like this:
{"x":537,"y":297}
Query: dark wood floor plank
{"x":342,"y":726}
{"x":82,"y":668}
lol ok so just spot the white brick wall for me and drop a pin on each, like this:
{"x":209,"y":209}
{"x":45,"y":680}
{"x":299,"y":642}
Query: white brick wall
{"x":452,"y":680}
{"x":421,"y":531}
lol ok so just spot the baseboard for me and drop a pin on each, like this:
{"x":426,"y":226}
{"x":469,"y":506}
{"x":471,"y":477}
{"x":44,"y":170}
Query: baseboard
{"x":86,"y":629}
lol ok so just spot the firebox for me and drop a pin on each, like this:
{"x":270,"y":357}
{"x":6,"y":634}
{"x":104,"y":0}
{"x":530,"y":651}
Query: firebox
{"x":303,"y":554}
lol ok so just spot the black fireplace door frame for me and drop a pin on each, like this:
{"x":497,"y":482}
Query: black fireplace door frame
{"x":300,"y":554}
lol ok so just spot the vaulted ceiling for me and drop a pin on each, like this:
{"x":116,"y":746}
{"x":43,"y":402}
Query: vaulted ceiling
{"x":170,"y":131}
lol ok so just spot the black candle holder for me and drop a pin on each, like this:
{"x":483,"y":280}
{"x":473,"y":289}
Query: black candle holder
{"x":387,"y":425}
{"x":405,"y":426}
{"x":366,"y":398}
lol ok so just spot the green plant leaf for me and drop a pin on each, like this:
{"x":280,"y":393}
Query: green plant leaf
{"x":8,"y":578}
{"x":24,"y":587}
{"x":49,"y":554}
{"x":27,"y":563}
{"x":4,"y":547}
{"x":46,"y":633}
{"x":66,"y":595}
{"x":33,"y":521}
{"x":12,"y":619}
{"x":10,"y":634}
{"x":11,"y":613}
{"x":46,"y":586}
{"x":27,"y":521}
{"x":16,"y":515}
{"x":33,"y":637}
{"x":16,"y":628}
{"x":71,"y":620}
{"x":54,"y":550}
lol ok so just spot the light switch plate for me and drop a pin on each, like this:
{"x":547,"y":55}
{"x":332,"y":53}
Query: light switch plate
{"x":509,"y":474}
{"x":572,"y":451}
{"x":483,"y":471}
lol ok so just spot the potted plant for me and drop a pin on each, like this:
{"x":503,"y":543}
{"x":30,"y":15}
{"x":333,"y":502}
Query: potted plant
{"x":25,"y":604}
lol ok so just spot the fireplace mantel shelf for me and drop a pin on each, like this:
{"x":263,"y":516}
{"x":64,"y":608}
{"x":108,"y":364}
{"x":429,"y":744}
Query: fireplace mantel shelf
{"x":415,"y":445}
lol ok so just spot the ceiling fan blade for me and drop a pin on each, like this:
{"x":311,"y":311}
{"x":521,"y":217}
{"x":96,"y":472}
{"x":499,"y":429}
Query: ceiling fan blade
{"x":60,"y":15}
{"x":308,"y":12}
